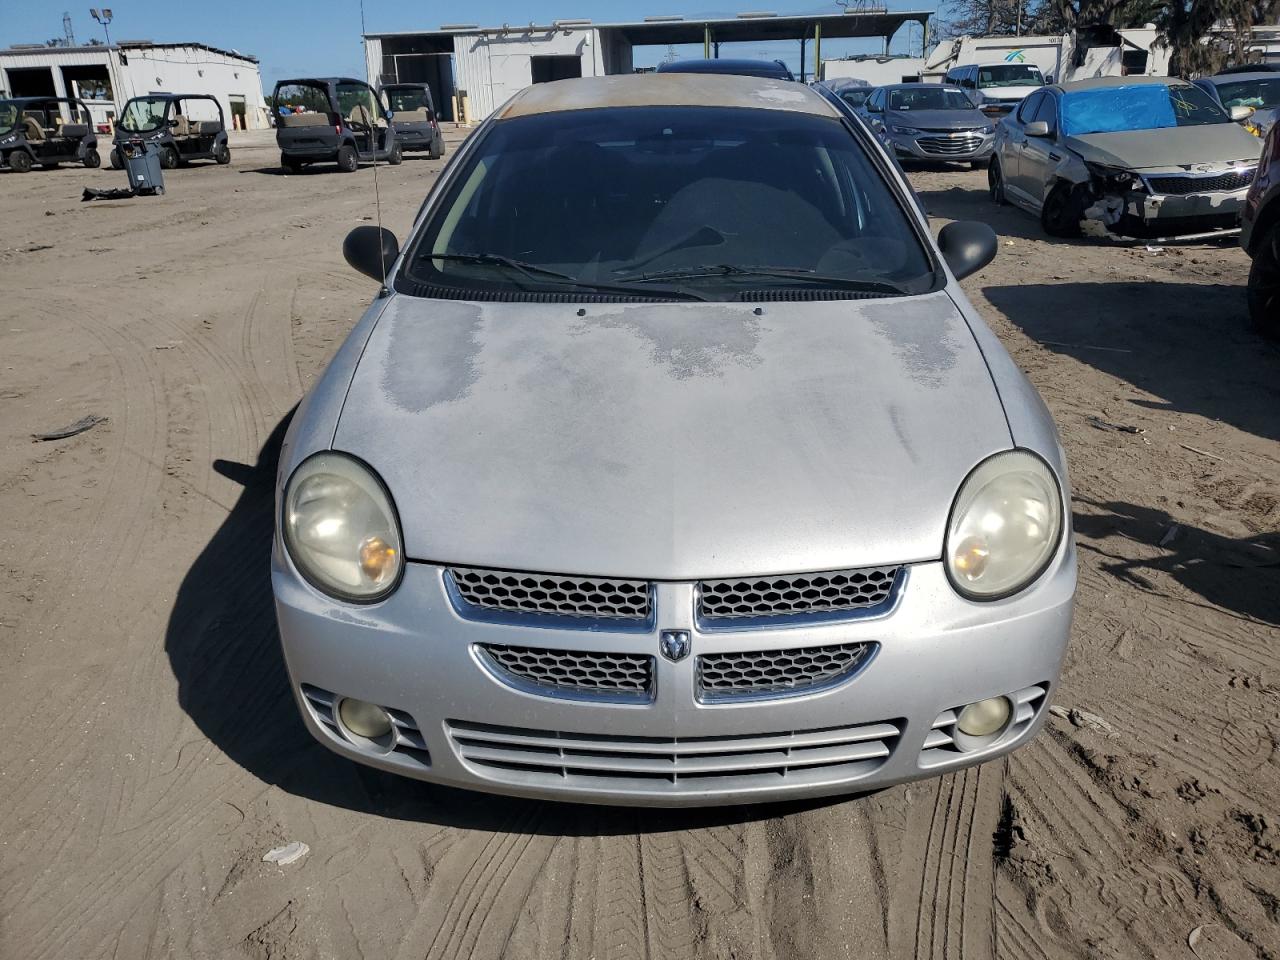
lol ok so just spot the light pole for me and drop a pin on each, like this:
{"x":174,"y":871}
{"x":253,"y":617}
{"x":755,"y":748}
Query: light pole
{"x":103,"y":17}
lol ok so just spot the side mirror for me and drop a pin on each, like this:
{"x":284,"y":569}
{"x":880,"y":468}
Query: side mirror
{"x":1036,"y":128}
{"x":1239,"y":113}
{"x":371,"y":250}
{"x":967,"y":246}
{"x":388,"y":115}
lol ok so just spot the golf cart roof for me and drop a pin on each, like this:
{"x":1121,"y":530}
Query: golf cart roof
{"x":322,"y":81}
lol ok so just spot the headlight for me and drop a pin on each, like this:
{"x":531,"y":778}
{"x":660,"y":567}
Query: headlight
{"x":1005,"y":526}
{"x":989,"y":128}
{"x":340,"y":528}
{"x":912,"y":131}
{"x":1112,"y":179}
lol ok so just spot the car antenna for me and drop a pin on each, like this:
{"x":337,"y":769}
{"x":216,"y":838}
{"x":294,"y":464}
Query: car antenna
{"x":377,"y":199}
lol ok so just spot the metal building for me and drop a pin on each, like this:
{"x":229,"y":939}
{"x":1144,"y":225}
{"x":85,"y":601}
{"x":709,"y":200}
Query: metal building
{"x":106,"y":77}
{"x":492,"y":63}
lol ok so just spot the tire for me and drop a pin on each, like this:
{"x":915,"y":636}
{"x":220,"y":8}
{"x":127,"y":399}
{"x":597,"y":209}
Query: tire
{"x":290,"y":164}
{"x":978,"y":164}
{"x":995,"y":183}
{"x":1060,"y":215}
{"x":222,"y":156}
{"x":117,"y":161}
{"x":396,"y":156}
{"x":348,"y":159}
{"x":168,"y":158}
{"x":20,"y":161}
{"x":437,"y":149}
{"x":92,"y":159}
{"x":1264,"y":286}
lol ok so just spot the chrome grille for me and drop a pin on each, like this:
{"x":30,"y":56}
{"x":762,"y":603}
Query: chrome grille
{"x":949,"y":146}
{"x":577,"y":671}
{"x":1183,"y":185}
{"x":940,"y":743}
{"x":724,"y":676}
{"x":406,"y":738}
{"x":672,"y":765}
{"x":546,"y":593}
{"x":790,"y":595}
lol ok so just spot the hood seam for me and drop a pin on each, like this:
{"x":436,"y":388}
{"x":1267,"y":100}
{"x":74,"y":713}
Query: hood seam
{"x":982,"y":353}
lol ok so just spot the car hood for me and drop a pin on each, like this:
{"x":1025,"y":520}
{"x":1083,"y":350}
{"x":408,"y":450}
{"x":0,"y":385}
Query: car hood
{"x":1168,"y":147}
{"x":673,"y":441}
{"x":938,"y":119}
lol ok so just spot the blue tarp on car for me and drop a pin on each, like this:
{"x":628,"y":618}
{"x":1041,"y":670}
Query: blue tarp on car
{"x":1110,"y":109}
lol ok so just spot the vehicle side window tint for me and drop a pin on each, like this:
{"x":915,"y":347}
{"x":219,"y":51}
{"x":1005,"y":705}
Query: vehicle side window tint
{"x":966,"y":79}
{"x":1027,"y":109}
{"x":1048,"y":112}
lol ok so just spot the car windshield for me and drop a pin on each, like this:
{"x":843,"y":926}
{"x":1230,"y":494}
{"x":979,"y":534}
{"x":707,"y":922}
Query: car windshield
{"x":301,"y":98}
{"x":929,"y":98}
{"x":692,"y":202}
{"x":142,"y":114}
{"x":407,"y":100}
{"x":856,"y":97}
{"x":1148,"y":106}
{"x":1251,"y":93}
{"x":8,"y":115}
{"x":1010,"y":75}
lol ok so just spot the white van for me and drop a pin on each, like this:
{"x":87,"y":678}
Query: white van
{"x":996,"y":88}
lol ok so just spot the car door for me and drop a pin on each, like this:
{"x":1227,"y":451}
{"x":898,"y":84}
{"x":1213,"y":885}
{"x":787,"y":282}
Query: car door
{"x":1015,"y":145}
{"x":361,"y":112}
{"x":1040,"y":154}
{"x":874,"y":112}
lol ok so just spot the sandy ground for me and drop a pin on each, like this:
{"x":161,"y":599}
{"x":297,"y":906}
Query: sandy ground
{"x":151,"y":754}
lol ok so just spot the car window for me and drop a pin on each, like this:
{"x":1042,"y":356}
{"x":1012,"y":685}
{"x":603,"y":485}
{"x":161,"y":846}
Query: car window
{"x":932,"y":97}
{"x":1250,"y":93}
{"x":1027,"y":109}
{"x":1047,"y":111}
{"x":1147,"y":106}
{"x":292,"y":98}
{"x":966,"y":78}
{"x":855,"y":97}
{"x":614,"y":196}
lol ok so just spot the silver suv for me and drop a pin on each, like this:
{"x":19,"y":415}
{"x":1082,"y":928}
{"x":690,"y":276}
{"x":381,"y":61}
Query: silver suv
{"x":672,"y":466}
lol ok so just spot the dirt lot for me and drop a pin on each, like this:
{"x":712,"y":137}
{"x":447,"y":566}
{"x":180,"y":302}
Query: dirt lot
{"x":151,"y":753}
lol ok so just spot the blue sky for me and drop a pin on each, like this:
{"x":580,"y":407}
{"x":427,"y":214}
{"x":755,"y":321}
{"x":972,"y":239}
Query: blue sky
{"x":293,"y":37}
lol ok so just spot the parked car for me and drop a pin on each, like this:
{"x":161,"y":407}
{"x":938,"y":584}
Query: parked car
{"x":183,"y":127}
{"x":1258,"y":93}
{"x":744,"y":68}
{"x":930,"y":121}
{"x":414,"y":116}
{"x":46,"y":131}
{"x":996,"y":88}
{"x":672,"y":467}
{"x":333,"y":120}
{"x":1260,"y":238}
{"x":1144,"y":156}
{"x":851,"y":90}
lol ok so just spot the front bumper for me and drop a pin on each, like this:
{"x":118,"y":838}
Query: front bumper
{"x":415,"y":138}
{"x":959,"y":146}
{"x":415,"y":654}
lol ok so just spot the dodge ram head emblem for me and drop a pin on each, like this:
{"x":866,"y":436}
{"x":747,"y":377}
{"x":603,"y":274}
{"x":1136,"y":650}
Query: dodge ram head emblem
{"x":674,"y":644}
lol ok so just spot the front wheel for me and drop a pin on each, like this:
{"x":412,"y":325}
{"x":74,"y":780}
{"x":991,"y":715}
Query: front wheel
{"x":396,"y":156}
{"x":168,"y":157}
{"x":1264,"y":285}
{"x":92,"y":159}
{"x":117,"y":161}
{"x":290,"y":164}
{"x":222,"y":155}
{"x":348,"y":161}
{"x":1061,"y":213}
{"x":995,"y":182}
{"x":20,"y":161}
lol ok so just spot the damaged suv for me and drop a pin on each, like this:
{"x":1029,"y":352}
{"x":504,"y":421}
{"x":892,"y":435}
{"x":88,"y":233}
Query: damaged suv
{"x":1135,"y":156}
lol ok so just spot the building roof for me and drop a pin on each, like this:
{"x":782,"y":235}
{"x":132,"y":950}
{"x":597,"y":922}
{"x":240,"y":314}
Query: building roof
{"x":666,"y":90}
{"x":675,"y":30}
{"x":28,"y":49}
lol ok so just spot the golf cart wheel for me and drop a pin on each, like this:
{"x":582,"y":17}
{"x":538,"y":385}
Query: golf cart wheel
{"x":1264,"y":285}
{"x":1060,"y":215}
{"x":396,"y":156}
{"x":348,"y":161}
{"x":117,"y":161}
{"x":437,"y":149}
{"x":168,"y":157}
{"x":995,"y":182}
{"x":20,"y":161}
{"x":223,"y":155}
{"x":290,"y":164}
{"x":92,"y":159}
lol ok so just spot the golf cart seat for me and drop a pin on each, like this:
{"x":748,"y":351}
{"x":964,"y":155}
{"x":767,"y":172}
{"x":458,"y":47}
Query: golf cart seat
{"x":305,"y":120}
{"x":181,"y":126}
{"x":73,"y":131}
{"x":34,"y":131}
{"x":204,"y":128}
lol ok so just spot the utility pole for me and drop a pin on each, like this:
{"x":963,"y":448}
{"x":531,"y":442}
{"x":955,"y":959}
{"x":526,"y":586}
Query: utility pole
{"x":103,"y":17}
{"x":68,"y":34}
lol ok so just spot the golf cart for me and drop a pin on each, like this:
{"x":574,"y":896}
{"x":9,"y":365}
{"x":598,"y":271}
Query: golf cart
{"x":46,"y":131}
{"x":414,"y":115}
{"x":332,"y":120}
{"x":183,"y":126}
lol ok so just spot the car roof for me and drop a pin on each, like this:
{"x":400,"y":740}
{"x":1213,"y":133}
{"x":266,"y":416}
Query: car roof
{"x":667,"y":90}
{"x":917,"y":86}
{"x":1239,"y":77}
{"x":1002,"y":63}
{"x":1100,"y":83}
{"x":718,"y":65}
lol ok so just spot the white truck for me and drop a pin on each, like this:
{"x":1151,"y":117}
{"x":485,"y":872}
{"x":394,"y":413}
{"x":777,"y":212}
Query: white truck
{"x":1058,"y":56}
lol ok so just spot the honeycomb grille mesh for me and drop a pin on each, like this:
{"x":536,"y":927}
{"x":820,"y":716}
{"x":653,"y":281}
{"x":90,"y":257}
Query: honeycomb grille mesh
{"x":763,"y":672}
{"x":796,"y":594}
{"x":577,"y":670}
{"x":555,"y":595}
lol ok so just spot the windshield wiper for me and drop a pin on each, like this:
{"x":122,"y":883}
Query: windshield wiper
{"x":546,"y":275}
{"x":783,"y":273}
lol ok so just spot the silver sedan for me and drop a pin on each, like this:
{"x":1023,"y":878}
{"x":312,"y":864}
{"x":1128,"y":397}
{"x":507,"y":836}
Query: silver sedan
{"x":929,"y":121}
{"x":672,"y":466}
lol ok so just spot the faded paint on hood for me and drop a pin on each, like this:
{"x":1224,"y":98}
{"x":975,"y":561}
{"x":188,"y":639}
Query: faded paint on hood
{"x":673,"y":441}
{"x":938,"y":119}
{"x":1168,"y":147}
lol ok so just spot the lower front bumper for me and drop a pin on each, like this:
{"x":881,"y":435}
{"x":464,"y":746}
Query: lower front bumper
{"x":460,"y":724}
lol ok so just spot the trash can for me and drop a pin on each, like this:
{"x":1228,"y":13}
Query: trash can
{"x":142,"y":163}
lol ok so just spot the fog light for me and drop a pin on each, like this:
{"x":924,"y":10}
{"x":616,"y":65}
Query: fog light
{"x":985,"y":717}
{"x":364,"y":719}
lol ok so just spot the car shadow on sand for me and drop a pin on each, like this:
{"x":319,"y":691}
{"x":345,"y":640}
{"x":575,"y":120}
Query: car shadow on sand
{"x":1189,"y":344}
{"x":1238,"y":575}
{"x":225,"y":653}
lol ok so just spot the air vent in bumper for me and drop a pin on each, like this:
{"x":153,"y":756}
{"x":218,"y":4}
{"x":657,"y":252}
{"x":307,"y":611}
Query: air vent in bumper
{"x":940,"y":744}
{"x":406,"y":737}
